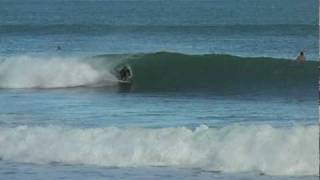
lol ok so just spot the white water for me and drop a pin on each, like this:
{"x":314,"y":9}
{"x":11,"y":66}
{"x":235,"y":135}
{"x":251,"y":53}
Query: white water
{"x":51,"y":72}
{"x":263,"y":149}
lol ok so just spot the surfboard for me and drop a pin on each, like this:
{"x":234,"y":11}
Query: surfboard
{"x":125,"y":85}
{"x":124,"y":82}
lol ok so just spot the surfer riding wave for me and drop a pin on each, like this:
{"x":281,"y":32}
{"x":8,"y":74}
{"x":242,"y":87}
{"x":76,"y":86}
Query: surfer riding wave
{"x":125,"y":73}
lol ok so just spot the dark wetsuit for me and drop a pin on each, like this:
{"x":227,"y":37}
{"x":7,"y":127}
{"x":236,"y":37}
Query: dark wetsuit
{"x":124,"y":73}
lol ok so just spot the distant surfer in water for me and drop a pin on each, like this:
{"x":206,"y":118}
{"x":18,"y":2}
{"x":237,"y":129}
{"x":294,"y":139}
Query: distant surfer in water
{"x":301,"y":58}
{"x":59,"y":48}
{"x":125,"y":73}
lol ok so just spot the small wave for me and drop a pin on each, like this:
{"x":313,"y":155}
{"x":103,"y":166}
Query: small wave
{"x":275,"y":151}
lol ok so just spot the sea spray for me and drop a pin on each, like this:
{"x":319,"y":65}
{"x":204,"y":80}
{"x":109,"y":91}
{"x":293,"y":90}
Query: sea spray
{"x":50,"y":72}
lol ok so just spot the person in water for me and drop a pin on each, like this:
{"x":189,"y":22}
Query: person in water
{"x":301,"y":58}
{"x":59,"y":48}
{"x":125,"y":73}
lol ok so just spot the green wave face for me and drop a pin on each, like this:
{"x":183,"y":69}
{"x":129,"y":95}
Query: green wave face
{"x":162,"y":71}
{"x":173,"y":71}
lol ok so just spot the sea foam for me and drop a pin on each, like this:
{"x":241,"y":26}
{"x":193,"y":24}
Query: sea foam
{"x":264,"y":149}
{"x":50,"y":72}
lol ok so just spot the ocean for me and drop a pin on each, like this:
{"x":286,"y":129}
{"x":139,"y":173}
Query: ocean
{"x":216,"y":92}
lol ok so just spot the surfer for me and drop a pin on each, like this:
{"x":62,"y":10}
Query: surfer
{"x":301,"y":58}
{"x":125,"y":73}
{"x":59,"y":48}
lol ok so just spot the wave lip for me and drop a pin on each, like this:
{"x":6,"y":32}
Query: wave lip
{"x":289,"y":151}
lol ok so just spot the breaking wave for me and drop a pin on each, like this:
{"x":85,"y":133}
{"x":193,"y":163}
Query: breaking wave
{"x":222,"y":73}
{"x":264,"y":149}
{"x":161,"y":71}
{"x":53,"y":72}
